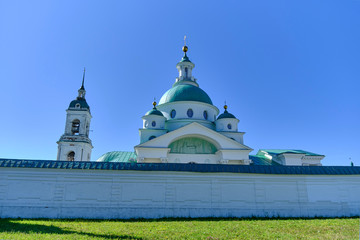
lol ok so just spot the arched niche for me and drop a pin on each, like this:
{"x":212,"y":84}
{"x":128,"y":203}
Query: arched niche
{"x":192,"y":145}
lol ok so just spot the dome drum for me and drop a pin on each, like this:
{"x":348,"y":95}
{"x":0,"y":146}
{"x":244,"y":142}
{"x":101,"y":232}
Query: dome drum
{"x":181,"y":110}
{"x":227,"y":125}
{"x":153,"y":122}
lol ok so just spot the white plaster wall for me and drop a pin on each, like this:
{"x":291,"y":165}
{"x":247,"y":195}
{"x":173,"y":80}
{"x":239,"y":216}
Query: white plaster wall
{"x":291,"y":159}
{"x":145,"y":134}
{"x":159,"y":121}
{"x":60,"y":193}
{"x":237,"y":136}
{"x":182,"y":107}
{"x":83,"y":116}
{"x":197,"y":158}
{"x":82,"y":150}
{"x":222,"y":125}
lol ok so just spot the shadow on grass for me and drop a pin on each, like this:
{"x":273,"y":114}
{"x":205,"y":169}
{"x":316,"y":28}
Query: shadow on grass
{"x":182,"y":219}
{"x":211,"y":219}
{"x":8,"y":225}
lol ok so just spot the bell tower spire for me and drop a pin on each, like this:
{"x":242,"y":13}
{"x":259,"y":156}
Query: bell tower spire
{"x":75,"y":144}
{"x":82,"y":91}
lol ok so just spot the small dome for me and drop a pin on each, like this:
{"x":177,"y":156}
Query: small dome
{"x":185,"y":92}
{"x":226,"y":114}
{"x":82,"y":104}
{"x":154,"y":111}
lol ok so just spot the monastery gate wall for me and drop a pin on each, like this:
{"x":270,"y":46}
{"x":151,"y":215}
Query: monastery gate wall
{"x":107,"y":194}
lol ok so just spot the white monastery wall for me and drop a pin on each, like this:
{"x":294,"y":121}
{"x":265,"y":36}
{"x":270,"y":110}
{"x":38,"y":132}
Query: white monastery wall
{"x":69,"y":193}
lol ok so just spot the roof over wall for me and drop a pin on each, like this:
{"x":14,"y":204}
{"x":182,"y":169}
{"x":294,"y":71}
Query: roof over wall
{"x":293,"y":151}
{"x":117,"y":156}
{"x":262,"y":160}
{"x":178,"y":167}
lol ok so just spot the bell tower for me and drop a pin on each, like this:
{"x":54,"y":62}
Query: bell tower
{"x":75,"y":144}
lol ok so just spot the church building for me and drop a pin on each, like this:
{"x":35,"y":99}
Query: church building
{"x":185,"y":127}
{"x":191,"y":161}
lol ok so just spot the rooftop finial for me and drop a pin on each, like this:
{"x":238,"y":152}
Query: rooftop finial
{"x":185,"y":48}
{"x":154,"y":103}
{"x":225,"y":106}
{"x":82,"y":85}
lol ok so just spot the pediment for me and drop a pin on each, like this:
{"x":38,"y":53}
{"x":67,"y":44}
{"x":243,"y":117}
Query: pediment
{"x":194,"y":130}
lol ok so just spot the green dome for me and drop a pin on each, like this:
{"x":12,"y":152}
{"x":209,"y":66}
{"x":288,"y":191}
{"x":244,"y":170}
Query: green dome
{"x":185,"y":92}
{"x":226,"y":114}
{"x":81,"y":101}
{"x":154,"y":111}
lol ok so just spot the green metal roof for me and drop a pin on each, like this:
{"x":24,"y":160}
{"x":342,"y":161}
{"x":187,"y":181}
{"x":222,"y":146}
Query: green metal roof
{"x":281,"y":151}
{"x":185,"y":92}
{"x":82,"y":102}
{"x":226,"y":114}
{"x":181,"y":167}
{"x":262,"y":160}
{"x":154,"y":111}
{"x":185,"y":58}
{"x":117,"y":156}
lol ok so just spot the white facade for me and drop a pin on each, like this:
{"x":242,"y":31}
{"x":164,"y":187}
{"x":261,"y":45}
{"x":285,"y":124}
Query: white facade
{"x":105,"y":194}
{"x":75,"y":144}
{"x":293,"y":157}
{"x":185,"y":127}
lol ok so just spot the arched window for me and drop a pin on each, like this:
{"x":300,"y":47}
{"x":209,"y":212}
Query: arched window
{"x":173,"y":113}
{"x":229,"y":126}
{"x":190,"y":112}
{"x":153,"y":124}
{"x":71,"y":156}
{"x":152,"y":137}
{"x":77,"y":105}
{"x":75,"y":127}
{"x":186,"y":72}
{"x":205,"y":115}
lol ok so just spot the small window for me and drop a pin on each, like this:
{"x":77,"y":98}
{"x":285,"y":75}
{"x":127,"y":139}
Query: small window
{"x":205,"y":115}
{"x":229,"y":126}
{"x":153,"y":124}
{"x":152,"y":137}
{"x":77,"y":105}
{"x":173,"y":113}
{"x":71,"y":156}
{"x":75,"y":127}
{"x":190,"y":112}
{"x":186,"y":72}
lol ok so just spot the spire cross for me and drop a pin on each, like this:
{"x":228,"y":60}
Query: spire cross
{"x":82,"y":85}
{"x":185,"y":40}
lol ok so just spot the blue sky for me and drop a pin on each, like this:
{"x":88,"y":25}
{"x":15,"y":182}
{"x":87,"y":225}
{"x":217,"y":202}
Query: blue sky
{"x":289,"y":70}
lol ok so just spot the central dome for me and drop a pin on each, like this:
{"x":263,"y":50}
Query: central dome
{"x":185,"y":92}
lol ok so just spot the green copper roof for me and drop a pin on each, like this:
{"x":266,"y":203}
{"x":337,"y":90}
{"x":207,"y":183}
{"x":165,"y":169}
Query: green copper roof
{"x":81,"y":101}
{"x":281,"y":151}
{"x":262,"y":160}
{"x":117,"y":156}
{"x":226,"y":114}
{"x":185,"y":92}
{"x":154,"y":111}
{"x":185,"y":58}
{"x":181,"y":167}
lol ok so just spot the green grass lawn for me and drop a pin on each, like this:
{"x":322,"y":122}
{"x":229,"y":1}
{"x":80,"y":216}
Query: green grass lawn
{"x":339,"y":228}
